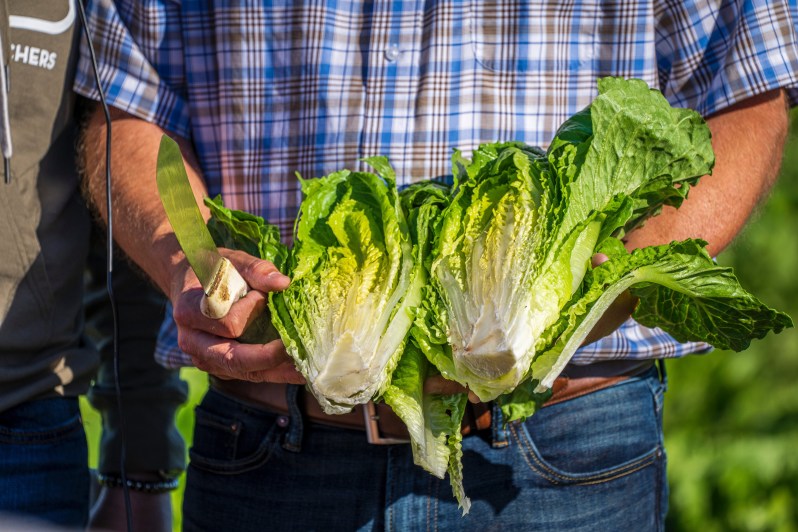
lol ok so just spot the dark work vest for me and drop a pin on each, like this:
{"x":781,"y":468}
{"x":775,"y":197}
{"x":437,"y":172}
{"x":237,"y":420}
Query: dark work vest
{"x":44,"y":223}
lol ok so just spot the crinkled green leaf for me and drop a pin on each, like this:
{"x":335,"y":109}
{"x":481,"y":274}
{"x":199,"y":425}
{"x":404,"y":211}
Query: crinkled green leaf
{"x":641,"y":147}
{"x":708,"y":306}
{"x":241,"y":230}
{"x":681,"y":290}
{"x":433,"y":420}
{"x":522,"y":402}
{"x":345,"y":317}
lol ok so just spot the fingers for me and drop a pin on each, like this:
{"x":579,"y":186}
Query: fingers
{"x":598,"y":259}
{"x":229,"y":359}
{"x":441,"y":386}
{"x":210,"y":342}
{"x":187,"y":313}
{"x":284,"y":373}
{"x":259,"y":274}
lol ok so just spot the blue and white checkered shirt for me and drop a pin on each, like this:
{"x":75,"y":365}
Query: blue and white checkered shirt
{"x":275,"y":88}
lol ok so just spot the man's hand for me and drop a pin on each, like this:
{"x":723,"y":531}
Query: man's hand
{"x":211,"y":343}
{"x":442,"y":386}
{"x":617,"y":313}
{"x":145,"y":234}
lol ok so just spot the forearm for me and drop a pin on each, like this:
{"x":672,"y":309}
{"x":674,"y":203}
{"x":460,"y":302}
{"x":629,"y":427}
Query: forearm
{"x":140,"y":225}
{"x":143,"y":231}
{"x":748,"y":140}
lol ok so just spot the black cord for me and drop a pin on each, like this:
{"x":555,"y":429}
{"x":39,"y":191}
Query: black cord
{"x":110,"y":266}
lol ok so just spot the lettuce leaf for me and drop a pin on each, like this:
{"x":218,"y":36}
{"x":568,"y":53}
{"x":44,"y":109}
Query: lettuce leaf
{"x":345,"y":317}
{"x":680,"y":289}
{"x":241,"y":230}
{"x":512,"y":294}
{"x":433,"y":421}
{"x":489,"y":282}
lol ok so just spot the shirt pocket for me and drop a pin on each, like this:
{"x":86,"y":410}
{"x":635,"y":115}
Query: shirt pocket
{"x":534,"y":37}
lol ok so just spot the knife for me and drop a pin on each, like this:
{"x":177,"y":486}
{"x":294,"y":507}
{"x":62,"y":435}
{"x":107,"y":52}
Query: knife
{"x":221,"y":282}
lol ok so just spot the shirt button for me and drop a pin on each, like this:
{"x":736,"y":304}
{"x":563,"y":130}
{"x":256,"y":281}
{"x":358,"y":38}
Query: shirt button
{"x":392,"y":53}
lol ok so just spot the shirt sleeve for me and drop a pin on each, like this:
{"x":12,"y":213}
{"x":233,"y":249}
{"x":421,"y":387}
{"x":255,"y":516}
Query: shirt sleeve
{"x":713,"y":54}
{"x":139,"y":52}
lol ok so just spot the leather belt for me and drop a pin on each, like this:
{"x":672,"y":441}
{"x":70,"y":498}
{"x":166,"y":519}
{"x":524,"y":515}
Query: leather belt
{"x":382,"y":426}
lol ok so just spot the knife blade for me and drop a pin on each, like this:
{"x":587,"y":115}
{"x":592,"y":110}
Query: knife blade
{"x":221,"y":282}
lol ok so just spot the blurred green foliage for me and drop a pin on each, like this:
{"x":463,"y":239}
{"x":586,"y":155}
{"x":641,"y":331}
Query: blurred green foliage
{"x":731,"y":419}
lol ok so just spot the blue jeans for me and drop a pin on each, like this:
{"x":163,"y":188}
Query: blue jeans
{"x":44,"y":469}
{"x":592,"y":463}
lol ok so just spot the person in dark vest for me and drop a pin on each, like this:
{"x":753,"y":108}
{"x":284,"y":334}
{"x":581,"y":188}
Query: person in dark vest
{"x":48,"y":357}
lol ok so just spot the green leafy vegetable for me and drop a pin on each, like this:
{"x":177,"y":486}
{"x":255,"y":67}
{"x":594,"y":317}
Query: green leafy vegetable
{"x":489,"y":283}
{"x":513,"y":293}
{"x":681,"y":290}
{"x":433,"y":421}
{"x":234,"y":229}
{"x":346,"y":315}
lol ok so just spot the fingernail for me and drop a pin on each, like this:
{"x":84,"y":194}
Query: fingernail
{"x":277,"y":277}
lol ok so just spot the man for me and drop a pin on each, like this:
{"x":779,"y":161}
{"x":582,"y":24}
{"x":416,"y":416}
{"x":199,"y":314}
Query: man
{"x":46,"y":361}
{"x":255,"y":94}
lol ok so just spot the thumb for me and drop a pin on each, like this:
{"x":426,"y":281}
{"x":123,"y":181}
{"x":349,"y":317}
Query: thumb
{"x":261,"y":275}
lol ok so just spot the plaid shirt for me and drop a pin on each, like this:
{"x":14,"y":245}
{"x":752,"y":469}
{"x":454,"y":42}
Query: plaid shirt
{"x":275,"y":88}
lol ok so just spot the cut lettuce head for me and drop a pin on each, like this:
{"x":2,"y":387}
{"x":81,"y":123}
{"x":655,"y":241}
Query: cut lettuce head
{"x":512,"y":291}
{"x":492,"y":277}
{"x":345,"y":317}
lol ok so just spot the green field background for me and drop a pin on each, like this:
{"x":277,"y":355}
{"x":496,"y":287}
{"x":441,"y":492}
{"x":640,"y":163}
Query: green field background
{"x":731,"y":419}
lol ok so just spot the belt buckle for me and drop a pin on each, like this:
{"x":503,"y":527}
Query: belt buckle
{"x":372,"y":423}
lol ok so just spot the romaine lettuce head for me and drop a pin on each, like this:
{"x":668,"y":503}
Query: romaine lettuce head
{"x":510,"y":299}
{"x":345,"y":317}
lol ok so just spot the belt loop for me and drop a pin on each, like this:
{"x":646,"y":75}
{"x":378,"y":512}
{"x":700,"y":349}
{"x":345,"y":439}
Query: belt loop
{"x":292,"y":440}
{"x":499,"y":431}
